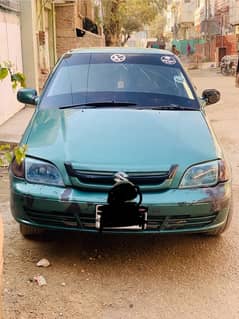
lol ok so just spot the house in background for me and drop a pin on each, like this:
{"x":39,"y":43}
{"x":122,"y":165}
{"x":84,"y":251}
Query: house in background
{"x":234,"y":20}
{"x":35,"y":33}
{"x":211,"y":27}
{"x":78,"y":25}
{"x":180,"y":29}
{"x":50,"y":28}
{"x":216,"y":29}
{"x":185,"y":19}
{"x":10,"y":50}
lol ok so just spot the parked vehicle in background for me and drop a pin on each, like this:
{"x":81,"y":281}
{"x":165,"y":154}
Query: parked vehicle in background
{"x":117,"y":117}
{"x":228,"y":64}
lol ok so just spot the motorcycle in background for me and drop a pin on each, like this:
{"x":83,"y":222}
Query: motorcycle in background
{"x":228,"y":65}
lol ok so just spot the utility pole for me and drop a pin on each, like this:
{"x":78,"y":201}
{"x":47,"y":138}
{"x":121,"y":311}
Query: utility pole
{"x":207,"y":25}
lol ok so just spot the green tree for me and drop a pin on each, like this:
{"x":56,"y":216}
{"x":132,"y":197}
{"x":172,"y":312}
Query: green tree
{"x":17,"y":78}
{"x":112,"y":20}
{"x":156,"y":27}
{"x":122,"y":17}
{"x":6,"y":151}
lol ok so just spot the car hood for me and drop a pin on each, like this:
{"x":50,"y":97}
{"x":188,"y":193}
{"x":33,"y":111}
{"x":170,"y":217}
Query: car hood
{"x":122,"y":139}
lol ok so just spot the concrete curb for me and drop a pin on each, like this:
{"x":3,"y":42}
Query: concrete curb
{"x":11,"y":131}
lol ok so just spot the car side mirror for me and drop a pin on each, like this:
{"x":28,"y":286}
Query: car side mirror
{"x":211,"y":96}
{"x":27,"y":96}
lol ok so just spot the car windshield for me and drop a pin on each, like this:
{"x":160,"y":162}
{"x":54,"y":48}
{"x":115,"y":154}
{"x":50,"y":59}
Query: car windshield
{"x":140,"y":79}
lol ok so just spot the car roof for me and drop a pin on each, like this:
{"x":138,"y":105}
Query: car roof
{"x":119,"y":50}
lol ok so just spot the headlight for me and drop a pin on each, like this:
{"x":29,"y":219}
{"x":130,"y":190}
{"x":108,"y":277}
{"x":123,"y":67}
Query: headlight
{"x":205,"y":175}
{"x":41,"y":172}
{"x":18,"y":170}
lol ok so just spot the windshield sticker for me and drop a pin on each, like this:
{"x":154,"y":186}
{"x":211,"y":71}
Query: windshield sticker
{"x":120,"y":85}
{"x":118,"y":58}
{"x":178,"y":79}
{"x":166,"y":59}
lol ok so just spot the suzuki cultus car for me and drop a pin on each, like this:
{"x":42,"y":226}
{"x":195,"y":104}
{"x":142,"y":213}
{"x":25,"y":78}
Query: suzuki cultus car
{"x":120,"y":142}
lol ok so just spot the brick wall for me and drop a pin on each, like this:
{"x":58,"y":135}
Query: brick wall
{"x":65,"y":43}
{"x":208,"y":50}
{"x":67,"y":20}
{"x":231,"y":44}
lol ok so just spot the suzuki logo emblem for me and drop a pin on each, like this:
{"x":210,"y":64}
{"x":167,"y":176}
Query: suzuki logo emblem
{"x":121,"y":177}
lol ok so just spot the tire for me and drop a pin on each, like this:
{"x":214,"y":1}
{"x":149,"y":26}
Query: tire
{"x":30,"y":231}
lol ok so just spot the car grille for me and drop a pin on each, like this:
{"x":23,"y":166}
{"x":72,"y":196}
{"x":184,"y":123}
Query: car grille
{"x":108,"y":179}
{"x":61,"y":219}
{"x":73,"y":220}
{"x":179,"y":222}
{"x":102,"y":179}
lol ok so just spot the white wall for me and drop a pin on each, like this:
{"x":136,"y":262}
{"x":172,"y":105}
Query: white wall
{"x":186,"y":11}
{"x":234,"y":12}
{"x":10,"y":50}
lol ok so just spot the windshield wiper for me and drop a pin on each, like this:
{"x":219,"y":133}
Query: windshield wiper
{"x":173,"y":107}
{"x":105,"y":104}
{"x":98,"y":104}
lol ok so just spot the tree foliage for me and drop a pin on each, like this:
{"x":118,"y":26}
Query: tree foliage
{"x":156,"y":27}
{"x":17,"y":78}
{"x":122,"y":17}
{"x":7,"y":153}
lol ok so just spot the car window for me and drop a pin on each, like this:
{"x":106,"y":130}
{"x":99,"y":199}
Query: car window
{"x":100,"y":79}
{"x":70,"y":79}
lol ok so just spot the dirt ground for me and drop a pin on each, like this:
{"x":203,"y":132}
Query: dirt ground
{"x":120,"y":277}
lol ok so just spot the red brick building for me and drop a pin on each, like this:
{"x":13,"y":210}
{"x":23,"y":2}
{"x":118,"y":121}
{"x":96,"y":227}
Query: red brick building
{"x":217,"y":30}
{"x":76,"y":25}
{"x":50,"y":28}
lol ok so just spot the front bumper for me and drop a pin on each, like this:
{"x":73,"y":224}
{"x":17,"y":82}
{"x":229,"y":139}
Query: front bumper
{"x":169,"y":211}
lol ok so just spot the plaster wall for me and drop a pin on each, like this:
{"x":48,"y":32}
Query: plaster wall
{"x":10,"y":50}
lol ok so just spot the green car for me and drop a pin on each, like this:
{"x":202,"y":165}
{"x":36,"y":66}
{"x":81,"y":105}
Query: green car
{"x":119,"y":142}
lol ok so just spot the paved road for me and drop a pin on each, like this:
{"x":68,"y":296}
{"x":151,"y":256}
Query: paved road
{"x":131,"y":277}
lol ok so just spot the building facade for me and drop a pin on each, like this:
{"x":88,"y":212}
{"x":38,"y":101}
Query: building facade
{"x":185,"y":20}
{"x":76,"y":25}
{"x":210,"y":26}
{"x":10,"y":50}
{"x":216,"y":29}
{"x":50,"y":28}
{"x":35,"y":33}
{"x":180,"y":19}
{"x":234,"y":20}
